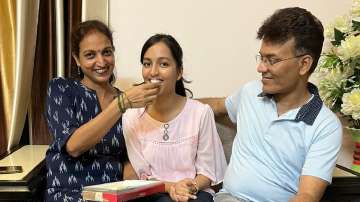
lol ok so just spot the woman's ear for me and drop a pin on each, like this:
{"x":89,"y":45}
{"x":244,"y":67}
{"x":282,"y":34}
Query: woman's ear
{"x":305,"y":64}
{"x":180,"y":74}
{"x":76,"y":59}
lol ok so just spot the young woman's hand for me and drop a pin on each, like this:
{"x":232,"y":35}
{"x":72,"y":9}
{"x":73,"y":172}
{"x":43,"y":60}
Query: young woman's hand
{"x":141,"y":95}
{"x":183,"y":190}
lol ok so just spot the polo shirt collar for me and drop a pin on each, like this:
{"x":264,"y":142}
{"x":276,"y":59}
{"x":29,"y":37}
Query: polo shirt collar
{"x":310,"y":110}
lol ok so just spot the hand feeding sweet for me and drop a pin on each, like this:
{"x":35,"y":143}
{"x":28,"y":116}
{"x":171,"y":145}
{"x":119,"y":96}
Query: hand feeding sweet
{"x":123,"y":102}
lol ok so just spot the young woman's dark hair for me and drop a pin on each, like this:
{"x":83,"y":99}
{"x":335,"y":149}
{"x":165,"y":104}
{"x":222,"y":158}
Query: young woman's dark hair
{"x":286,"y":24}
{"x":177,"y":54}
{"x":78,"y":35}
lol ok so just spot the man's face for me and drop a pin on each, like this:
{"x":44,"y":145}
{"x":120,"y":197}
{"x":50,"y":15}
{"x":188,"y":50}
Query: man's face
{"x":279,"y":67}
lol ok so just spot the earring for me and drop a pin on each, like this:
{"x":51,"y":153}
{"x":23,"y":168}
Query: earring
{"x":78,"y":70}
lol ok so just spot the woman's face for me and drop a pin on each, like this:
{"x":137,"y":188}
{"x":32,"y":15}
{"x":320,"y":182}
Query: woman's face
{"x":96,"y":58}
{"x":160,"y":66}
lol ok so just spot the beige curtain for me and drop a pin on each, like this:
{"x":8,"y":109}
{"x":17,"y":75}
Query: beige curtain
{"x":26,"y":30}
{"x":7,"y":66}
{"x":56,"y":21}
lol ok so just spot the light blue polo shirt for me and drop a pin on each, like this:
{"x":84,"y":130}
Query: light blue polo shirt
{"x":270,"y":153}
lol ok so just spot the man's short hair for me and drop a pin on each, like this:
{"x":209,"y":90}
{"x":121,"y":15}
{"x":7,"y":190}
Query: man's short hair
{"x":297,"y":23}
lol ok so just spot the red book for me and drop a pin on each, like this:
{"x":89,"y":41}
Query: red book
{"x":122,"y":190}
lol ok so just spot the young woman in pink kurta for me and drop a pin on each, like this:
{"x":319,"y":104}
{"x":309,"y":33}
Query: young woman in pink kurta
{"x":174,"y":139}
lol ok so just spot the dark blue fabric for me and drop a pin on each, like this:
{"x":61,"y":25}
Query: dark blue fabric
{"x":202,"y":196}
{"x":310,"y":110}
{"x":69,"y":105}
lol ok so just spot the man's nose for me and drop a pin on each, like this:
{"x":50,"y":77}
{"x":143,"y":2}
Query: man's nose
{"x":261,"y":67}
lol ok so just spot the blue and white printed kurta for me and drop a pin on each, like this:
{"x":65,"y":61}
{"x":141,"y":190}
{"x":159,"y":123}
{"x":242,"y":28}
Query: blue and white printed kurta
{"x":69,"y":105}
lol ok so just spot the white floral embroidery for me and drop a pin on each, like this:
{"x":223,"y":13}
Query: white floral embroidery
{"x":72,"y":179}
{"x":108,"y":166}
{"x":105,"y":177}
{"x":89,"y":178}
{"x":55,"y":182}
{"x":62,"y":167}
{"x":79,"y":166}
{"x":95,"y":165}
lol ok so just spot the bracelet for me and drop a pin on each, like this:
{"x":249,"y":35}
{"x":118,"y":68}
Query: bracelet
{"x":122,"y":101}
{"x":195,"y":190}
{"x":119,"y":102}
{"x":127,"y":98}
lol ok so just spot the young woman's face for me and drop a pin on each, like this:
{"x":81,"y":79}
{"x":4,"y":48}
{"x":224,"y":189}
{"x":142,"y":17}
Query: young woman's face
{"x":96,"y":58}
{"x":160,"y":66}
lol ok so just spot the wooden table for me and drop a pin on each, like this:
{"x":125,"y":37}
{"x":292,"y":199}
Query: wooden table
{"x":28,"y":184}
{"x":345,"y":186}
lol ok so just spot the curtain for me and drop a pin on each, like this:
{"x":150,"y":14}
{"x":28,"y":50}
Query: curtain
{"x":72,"y":16}
{"x":68,"y":14}
{"x":7,"y":66}
{"x":26,"y":18}
{"x":44,"y":69}
{"x":3,"y":143}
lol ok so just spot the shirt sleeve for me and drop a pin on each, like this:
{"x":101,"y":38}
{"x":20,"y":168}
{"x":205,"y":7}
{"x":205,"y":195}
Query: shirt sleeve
{"x":232,"y":103}
{"x":133,"y":146}
{"x":210,"y":160}
{"x":322,"y":155}
{"x":60,"y":114}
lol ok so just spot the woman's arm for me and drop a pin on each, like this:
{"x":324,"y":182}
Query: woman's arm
{"x":187,"y":189}
{"x":89,"y":134}
{"x":201,"y":182}
{"x":129,"y":172}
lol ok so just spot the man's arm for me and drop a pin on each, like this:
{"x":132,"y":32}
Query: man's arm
{"x":311,"y":189}
{"x":219,"y":109}
{"x":216,"y":104}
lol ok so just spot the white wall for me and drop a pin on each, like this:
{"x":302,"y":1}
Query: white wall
{"x":95,"y":9}
{"x":217,"y":37}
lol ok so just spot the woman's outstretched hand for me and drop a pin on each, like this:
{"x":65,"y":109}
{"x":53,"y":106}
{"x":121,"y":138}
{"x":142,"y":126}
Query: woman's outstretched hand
{"x":141,"y":95}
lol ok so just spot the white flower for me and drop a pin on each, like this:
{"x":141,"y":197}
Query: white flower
{"x":339,"y":66}
{"x":349,"y":48}
{"x":355,"y":10}
{"x":351,"y":104}
{"x":341,"y":23}
{"x":332,"y":83}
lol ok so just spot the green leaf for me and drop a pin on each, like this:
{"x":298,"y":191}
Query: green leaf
{"x":331,"y":61}
{"x":356,"y":25}
{"x":339,"y":36}
{"x":335,"y":43}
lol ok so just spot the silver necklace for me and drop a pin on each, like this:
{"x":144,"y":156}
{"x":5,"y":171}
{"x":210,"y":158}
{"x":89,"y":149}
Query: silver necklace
{"x":165,"y":135}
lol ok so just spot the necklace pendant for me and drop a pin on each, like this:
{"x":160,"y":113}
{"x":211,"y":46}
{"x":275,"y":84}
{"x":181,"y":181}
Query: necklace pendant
{"x":165,"y":137}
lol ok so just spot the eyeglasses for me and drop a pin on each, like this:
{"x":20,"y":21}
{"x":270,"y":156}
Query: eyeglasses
{"x":268,"y":61}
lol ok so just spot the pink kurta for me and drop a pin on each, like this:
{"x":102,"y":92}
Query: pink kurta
{"x":193,"y":145}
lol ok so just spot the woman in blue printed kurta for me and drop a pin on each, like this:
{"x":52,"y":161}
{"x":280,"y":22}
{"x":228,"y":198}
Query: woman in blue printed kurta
{"x":84,"y":118}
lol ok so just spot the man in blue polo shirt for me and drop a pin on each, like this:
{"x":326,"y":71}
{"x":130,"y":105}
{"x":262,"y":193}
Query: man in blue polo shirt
{"x":287,"y":141}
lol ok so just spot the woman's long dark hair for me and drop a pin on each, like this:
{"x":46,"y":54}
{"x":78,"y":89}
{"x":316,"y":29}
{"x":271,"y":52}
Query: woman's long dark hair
{"x":177,"y":54}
